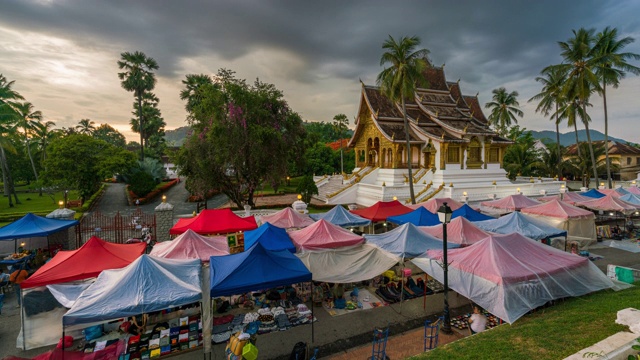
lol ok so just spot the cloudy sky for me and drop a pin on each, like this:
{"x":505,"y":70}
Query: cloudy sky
{"x":62,"y":54}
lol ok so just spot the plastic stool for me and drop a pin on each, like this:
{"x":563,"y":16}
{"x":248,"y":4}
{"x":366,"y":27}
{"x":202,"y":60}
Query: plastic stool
{"x":431,"y":331}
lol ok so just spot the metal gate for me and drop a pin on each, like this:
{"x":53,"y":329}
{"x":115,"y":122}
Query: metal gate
{"x":116,"y":228}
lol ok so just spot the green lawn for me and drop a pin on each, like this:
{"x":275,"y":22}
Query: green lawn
{"x":30,"y":202}
{"x":552,"y":333}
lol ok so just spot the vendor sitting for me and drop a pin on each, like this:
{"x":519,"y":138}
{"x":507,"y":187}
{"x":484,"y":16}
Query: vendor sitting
{"x":616,"y":233}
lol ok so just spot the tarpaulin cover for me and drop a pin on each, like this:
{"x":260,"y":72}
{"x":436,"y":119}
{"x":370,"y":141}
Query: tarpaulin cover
{"x":622,"y":191}
{"x":148,"y":284}
{"x":86,"y":262}
{"x":459,"y":231}
{"x":434,"y":204}
{"x":271,"y":237}
{"x":509,"y":275}
{"x":593,"y":193}
{"x":633,"y":190}
{"x":610,"y":203}
{"x":406,"y":241}
{"x":348,"y":265}
{"x":288,"y":218}
{"x":341,"y":217}
{"x":574,"y":198}
{"x":612,"y":192}
{"x":508,"y":204}
{"x":191,"y":245}
{"x":255,"y":269}
{"x":324,"y":235}
{"x":418,"y":217}
{"x":214,"y":221}
{"x":559,"y":209}
{"x":469,"y":213}
{"x":381,"y":210}
{"x":523,"y":224}
{"x":32,"y":225}
{"x":631,"y":198}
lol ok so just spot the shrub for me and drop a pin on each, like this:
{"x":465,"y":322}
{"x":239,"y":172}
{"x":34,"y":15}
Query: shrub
{"x":307,"y":188}
{"x":141,"y":183}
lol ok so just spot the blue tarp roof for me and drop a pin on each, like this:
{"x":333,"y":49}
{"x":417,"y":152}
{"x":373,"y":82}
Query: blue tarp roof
{"x":32,"y":225}
{"x":271,"y":237}
{"x":593,"y":193}
{"x":407,"y":241}
{"x":418,"y":217}
{"x":468,"y":213}
{"x":255,"y":269}
{"x":517,"y":222}
{"x":148,"y":284}
{"x":631,"y":198}
{"x":341,"y":217}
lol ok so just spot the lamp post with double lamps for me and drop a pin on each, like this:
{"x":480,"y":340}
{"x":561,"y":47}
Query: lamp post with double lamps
{"x":444,"y":214}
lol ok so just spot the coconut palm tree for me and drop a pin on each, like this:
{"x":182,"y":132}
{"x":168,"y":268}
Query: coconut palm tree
{"x":27,"y":118}
{"x":579,"y":64}
{"x":138,"y":77}
{"x":43,"y":134}
{"x":192,"y":83}
{"x":611,"y":67}
{"x":504,"y":109}
{"x":399,"y":81}
{"x":8,"y":96}
{"x":549,"y":98}
{"x":86,"y":126}
{"x":340,"y":127}
{"x":572,"y":112}
{"x":581,"y":165}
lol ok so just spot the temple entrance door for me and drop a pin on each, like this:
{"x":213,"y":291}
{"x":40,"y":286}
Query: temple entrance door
{"x":427,"y":159}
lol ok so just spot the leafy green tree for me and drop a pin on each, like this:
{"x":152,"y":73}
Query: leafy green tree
{"x":43,"y":134}
{"x":580,"y":166}
{"x":319,"y":160}
{"x":86,"y":126}
{"x":550,"y":161}
{"x":504,"y":109}
{"x":243,"y":135}
{"x":81,"y":162}
{"x":319,"y":131}
{"x":153,"y":125}
{"x":551,"y":96}
{"x":521,"y":158}
{"x":399,"y":81}
{"x":191,"y":91}
{"x":141,"y":183}
{"x":106,"y":132}
{"x":138,"y":77}
{"x":307,"y":188}
{"x":26,"y":118}
{"x":612,"y":66}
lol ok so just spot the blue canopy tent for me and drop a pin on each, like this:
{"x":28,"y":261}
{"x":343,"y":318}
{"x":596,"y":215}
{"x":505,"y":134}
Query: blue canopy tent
{"x":273,"y":238}
{"x":517,"y":222}
{"x":593,"y":193}
{"x":341,"y":217}
{"x":470,"y":214}
{"x":32,"y":225}
{"x":407,"y":241}
{"x":418,"y":217}
{"x":631,"y":198}
{"x":146,"y":285}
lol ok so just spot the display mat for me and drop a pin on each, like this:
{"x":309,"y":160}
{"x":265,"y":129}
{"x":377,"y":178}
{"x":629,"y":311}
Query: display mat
{"x":368,"y":300}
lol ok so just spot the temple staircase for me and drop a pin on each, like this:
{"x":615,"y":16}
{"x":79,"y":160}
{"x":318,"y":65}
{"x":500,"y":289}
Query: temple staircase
{"x":331,"y":186}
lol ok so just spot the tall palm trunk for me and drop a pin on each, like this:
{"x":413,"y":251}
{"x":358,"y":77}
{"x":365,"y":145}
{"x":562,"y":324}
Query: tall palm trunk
{"x":5,"y":181}
{"x":575,"y":130}
{"x":33,"y":164}
{"x":6,"y":173}
{"x":140,"y":127}
{"x":606,"y":134}
{"x":409,"y":157}
{"x":558,"y":143}
{"x":593,"y":158}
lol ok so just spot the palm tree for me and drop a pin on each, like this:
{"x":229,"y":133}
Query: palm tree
{"x":340,"y":123}
{"x":7,"y":97}
{"x":611,"y":67}
{"x":521,"y":159}
{"x":572,"y":111}
{"x":86,"y":126}
{"x":27,"y":118}
{"x":550,"y":97}
{"x":579,"y":64}
{"x":138,"y":78}
{"x":581,"y":165}
{"x":43,"y":133}
{"x":551,"y":161}
{"x":504,"y":109}
{"x":192,"y":84}
{"x":400,"y":79}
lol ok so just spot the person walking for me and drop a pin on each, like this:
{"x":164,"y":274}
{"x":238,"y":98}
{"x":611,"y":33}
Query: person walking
{"x":16,"y":278}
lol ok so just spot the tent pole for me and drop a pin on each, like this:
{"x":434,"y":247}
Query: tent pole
{"x":24,"y":338}
{"x":313,"y":336}
{"x":424,"y":298}
{"x":63,"y":341}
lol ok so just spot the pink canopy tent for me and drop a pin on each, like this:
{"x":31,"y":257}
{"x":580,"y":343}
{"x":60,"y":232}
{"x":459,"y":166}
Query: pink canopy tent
{"x":579,"y":223}
{"x":288,"y":218}
{"x":324,"y":235}
{"x":510,"y":275}
{"x":573,"y":198}
{"x":612,"y":192}
{"x":508,"y":204}
{"x":191,"y":245}
{"x":633,"y":190}
{"x":434,"y":204}
{"x":610,"y":203}
{"x":459,"y":231}
{"x":548,"y":198}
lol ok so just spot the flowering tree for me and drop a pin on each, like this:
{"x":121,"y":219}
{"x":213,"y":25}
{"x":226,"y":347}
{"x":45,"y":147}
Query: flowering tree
{"x":243,"y":135}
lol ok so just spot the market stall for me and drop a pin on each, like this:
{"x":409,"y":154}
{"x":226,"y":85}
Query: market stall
{"x":271,"y":237}
{"x":459,"y":231}
{"x":507,"y":204}
{"x":509,"y":275}
{"x":469,"y":213}
{"x":524,"y":225}
{"x":33,"y":226}
{"x":610,"y":203}
{"x":434,"y":204}
{"x":406,"y":241}
{"x":381,"y":210}
{"x":573,"y":198}
{"x":214,"y":221}
{"x":141,"y":291}
{"x":418,"y":217}
{"x":54,"y":287}
{"x":323,"y":235}
{"x":191,"y":245}
{"x":288,"y":218}
{"x":341,"y":217}
{"x":593,"y":193}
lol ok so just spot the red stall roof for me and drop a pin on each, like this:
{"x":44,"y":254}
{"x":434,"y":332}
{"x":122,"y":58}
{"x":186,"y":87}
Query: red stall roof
{"x":86,"y":262}
{"x":381,"y":210}
{"x":214,"y":221}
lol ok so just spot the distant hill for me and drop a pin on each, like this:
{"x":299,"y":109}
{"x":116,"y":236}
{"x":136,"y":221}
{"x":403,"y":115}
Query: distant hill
{"x":176,"y":137}
{"x":569,"y":138}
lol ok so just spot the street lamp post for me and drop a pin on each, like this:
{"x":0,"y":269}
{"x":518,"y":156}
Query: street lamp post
{"x":444,"y":214}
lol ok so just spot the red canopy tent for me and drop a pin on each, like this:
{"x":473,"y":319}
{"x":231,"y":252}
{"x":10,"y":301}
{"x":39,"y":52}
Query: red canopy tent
{"x":214,"y":221}
{"x":508,"y":204}
{"x":434,"y":204}
{"x":324,"y":235}
{"x":381,"y":210}
{"x":86,"y":262}
{"x":459,"y":231}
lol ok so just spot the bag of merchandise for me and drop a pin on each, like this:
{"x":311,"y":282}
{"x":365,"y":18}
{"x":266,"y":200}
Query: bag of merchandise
{"x":237,"y":342}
